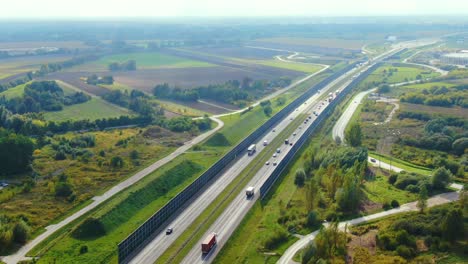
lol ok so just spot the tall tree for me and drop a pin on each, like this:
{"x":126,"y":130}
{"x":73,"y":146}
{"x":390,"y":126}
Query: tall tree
{"x":452,"y":226}
{"x":422,"y":199}
{"x":354,"y":135}
{"x":441,"y":178}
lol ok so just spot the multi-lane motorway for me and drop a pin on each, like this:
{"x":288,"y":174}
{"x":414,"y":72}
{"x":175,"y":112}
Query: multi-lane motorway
{"x":225,"y":225}
{"x":153,"y":250}
{"x":161,"y":242}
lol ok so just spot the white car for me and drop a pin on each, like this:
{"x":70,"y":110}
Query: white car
{"x":267,"y":163}
{"x":294,"y":134}
{"x":274,"y":155}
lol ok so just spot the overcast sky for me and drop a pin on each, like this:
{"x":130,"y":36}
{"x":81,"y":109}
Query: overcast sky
{"x":203,"y":8}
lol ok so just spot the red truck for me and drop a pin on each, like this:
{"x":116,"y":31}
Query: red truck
{"x":208,"y":243}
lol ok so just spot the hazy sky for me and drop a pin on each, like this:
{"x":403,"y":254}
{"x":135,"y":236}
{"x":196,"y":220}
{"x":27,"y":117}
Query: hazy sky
{"x":171,"y":8}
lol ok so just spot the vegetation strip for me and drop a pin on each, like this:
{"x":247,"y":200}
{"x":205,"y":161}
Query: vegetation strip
{"x":210,"y":214}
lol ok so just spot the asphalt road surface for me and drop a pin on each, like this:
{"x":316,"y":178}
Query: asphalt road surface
{"x":228,"y":221}
{"x":439,"y":199}
{"x":159,"y":244}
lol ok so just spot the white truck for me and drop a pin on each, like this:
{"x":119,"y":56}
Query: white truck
{"x":251,"y":150}
{"x":250,"y":191}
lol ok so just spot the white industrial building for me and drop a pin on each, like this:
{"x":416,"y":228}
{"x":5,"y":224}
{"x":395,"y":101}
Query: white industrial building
{"x":460,"y":58}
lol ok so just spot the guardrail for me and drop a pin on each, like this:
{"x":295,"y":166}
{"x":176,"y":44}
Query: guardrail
{"x":266,"y":186}
{"x":139,"y":237}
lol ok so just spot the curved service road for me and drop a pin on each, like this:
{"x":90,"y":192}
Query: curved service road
{"x":97,"y":200}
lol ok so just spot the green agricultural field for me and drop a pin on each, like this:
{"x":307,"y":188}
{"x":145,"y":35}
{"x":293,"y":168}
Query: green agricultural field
{"x":180,"y":109}
{"x":144,"y":60}
{"x":402,"y":74}
{"x":295,"y":66}
{"x":14,"y":92}
{"x":93,"y":109}
{"x":116,"y":86}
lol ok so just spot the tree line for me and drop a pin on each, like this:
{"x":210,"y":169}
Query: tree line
{"x":442,"y":133}
{"x":439,"y":96}
{"x":232,"y":92}
{"x":129,"y":65}
{"x":42,"y":96}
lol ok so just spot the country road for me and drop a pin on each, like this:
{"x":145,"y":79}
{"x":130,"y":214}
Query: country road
{"x":281,"y":91}
{"x":439,"y":199}
{"x":97,"y":200}
{"x":287,"y":257}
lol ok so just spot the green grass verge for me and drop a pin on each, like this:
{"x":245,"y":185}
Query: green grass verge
{"x":180,"y":248}
{"x":401,"y":164}
{"x":380,"y":191}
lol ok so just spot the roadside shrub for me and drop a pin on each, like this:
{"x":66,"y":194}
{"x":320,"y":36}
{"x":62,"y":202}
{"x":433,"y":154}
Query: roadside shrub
{"x":395,"y":204}
{"x":412,"y":188}
{"x":90,"y":228}
{"x":21,"y":232}
{"x":63,"y":189}
{"x":386,"y":206}
{"x":83,"y":249}
{"x":117,"y":162}
{"x":312,"y":219}
{"x":404,"y":251}
{"x":274,"y":240}
{"x":300,"y":178}
{"x":60,"y":155}
{"x":385,"y":241}
{"x":393,"y":178}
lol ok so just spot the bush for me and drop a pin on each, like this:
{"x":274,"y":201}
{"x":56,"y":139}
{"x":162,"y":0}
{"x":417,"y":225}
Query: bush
{"x":117,"y":162}
{"x":312,"y":219}
{"x":63,"y":189}
{"x":412,"y":188}
{"x":405,"y":251}
{"x":395,"y":204}
{"x":386,"y":206}
{"x":83,"y":249}
{"x":393,"y":178}
{"x":21,"y":232}
{"x":274,"y":240}
{"x":300,"y":178}
{"x":90,"y":228}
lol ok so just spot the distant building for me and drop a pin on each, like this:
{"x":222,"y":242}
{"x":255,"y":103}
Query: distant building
{"x":459,"y":58}
{"x":392,"y":38}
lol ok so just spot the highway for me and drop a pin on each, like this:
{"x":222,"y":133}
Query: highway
{"x":159,"y":244}
{"x":228,"y":221}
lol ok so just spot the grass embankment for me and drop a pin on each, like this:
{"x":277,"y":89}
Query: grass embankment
{"x":125,"y":212}
{"x":401,"y":164}
{"x":180,"y":248}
